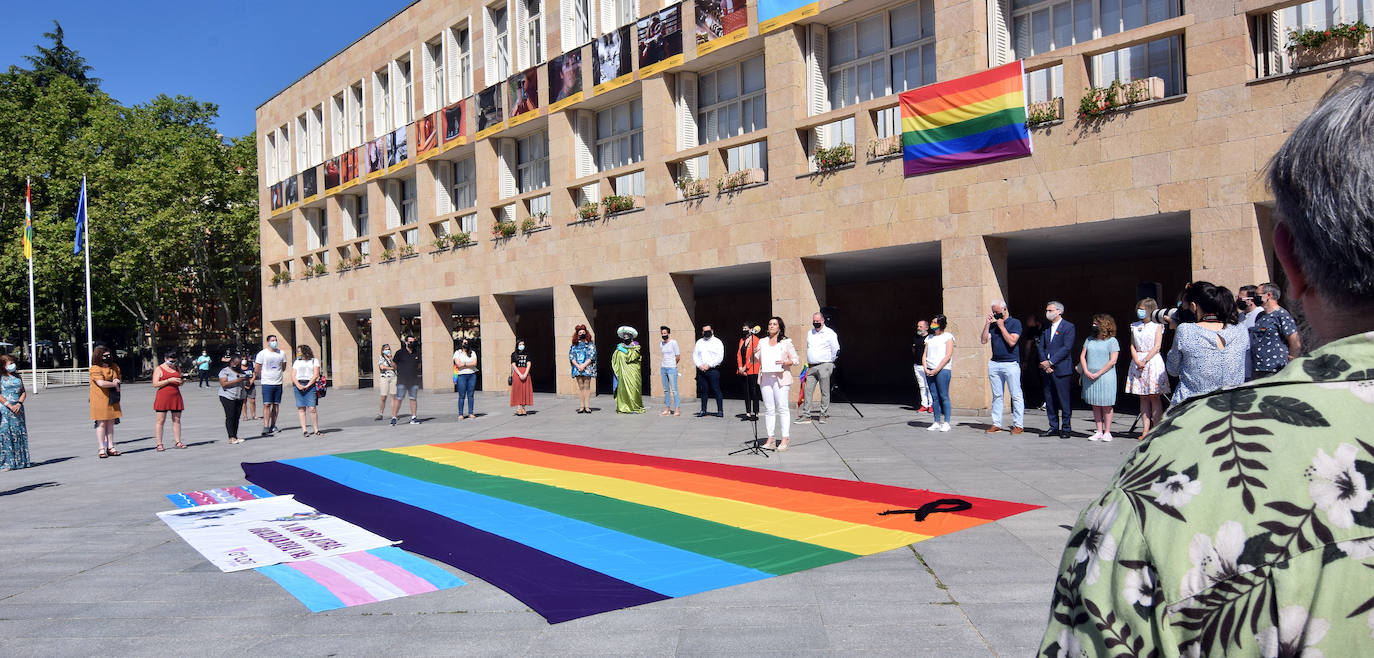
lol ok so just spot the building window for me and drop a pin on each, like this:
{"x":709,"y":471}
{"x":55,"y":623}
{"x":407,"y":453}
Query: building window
{"x":888,"y":122}
{"x":435,"y":92}
{"x":747,"y":156}
{"x":534,"y":32}
{"x":355,"y":115}
{"x":731,"y":101}
{"x":302,"y":142}
{"x":405,"y":104}
{"x":532,"y":158}
{"x":468,"y":224}
{"x":381,"y":103}
{"x":577,"y":23}
{"x":882,"y":54}
{"x":620,"y":135}
{"x":283,"y":151}
{"x":464,"y":183}
{"x":498,"y":44}
{"x":360,"y":214}
{"x":539,"y":204}
{"x":1161,"y":58}
{"x":270,"y":149}
{"x":411,"y":237}
{"x":1272,"y":30}
{"x":626,"y":12}
{"x":316,"y":131}
{"x":631,"y":184}
{"x":1045,"y":84}
{"x":1039,"y":26}
{"x":409,"y":213}
{"x":461,"y":52}
{"x":336,"y":125}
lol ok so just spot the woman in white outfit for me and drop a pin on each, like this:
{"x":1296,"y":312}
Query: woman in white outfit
{"x":1147,"y":376}
{"x":776,"y":356}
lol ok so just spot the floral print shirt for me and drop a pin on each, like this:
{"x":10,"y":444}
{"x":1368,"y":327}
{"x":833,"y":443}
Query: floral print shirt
{"x":1243,"y":526}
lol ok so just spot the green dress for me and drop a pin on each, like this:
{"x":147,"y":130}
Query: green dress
{"x":629,"y":387}
{"x":1244,"y":526}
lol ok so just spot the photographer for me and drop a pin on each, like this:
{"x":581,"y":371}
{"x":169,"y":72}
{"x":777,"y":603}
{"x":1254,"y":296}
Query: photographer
{"x":1004,"y":368}
{"x":1209,"y":345}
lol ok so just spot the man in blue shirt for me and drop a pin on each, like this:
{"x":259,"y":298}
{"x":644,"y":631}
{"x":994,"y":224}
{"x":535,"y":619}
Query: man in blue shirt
{"x":1004,"y":369}
{"x":1274,"y":339}
{"x":203,"y":366}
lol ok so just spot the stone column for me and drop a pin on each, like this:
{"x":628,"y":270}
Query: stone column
{"x":498,"y":340}
{"x":672,"y":303}
{"x":1229,"y":246}
{"x":572,"y":305}
{"x":310,"y":332}
{"x":798,"y":290}
{"x":975,"y":272}
{"x":284,"y":330}
{"x":436,"y":345}
{"x":963,"y":48}
{"x":386,"y":329}
{"x":343,"y":339}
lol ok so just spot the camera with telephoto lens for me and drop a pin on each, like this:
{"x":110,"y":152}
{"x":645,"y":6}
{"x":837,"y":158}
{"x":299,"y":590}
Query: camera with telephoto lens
{"x":1179,"y":314}
{"x":998,"y":316}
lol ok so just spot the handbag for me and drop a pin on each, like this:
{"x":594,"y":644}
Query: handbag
{"x":510,"y":380}
{"x":114,"y":396}
{"x":321,"y":387}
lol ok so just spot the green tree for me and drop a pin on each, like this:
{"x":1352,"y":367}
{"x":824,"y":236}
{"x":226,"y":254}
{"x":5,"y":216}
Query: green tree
{"x":60,"y":61}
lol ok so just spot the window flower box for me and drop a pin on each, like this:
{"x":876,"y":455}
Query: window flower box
{"x":1099,"y":101}
{"x":830,"y":159}
{"x":690,"y":187}
{"x":617,"y":203}
{"x":1314,"y":47}
{"x":737,"y":179}
{"x":882,"y":147}
{"x":1045,"y":112}
{"x":503,"y":229}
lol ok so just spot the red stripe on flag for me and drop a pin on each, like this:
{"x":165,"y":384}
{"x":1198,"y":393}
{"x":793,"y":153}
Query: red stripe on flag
{"x":966,"y":83}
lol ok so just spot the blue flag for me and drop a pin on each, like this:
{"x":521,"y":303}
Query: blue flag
{"x":80,"y":218}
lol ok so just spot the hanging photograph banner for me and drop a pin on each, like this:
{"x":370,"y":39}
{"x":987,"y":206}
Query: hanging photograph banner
{"x":310,"y":185}
{"x":427,"y":137}
{"x":720,"y":23}
{"x":453,"y":134}
{"x":774,"y":14}
{"x":275,"y":194}
{"x":396,"y":152}
{"x":613,"y":67}
{"x":256,"y":533}
{"x":376,"y":157}
{"x":522,"y":97}
{"x":348,"y":167}
{"x":565,"y":80}
{"x":660,"y":41}
{"x":290,"y":193}
{"x":331,"y":174}
{"x":489,"y":112}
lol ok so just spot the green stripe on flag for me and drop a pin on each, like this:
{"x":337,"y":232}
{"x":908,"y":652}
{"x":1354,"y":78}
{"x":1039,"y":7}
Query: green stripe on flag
{"x":1009,"y":116}
{"x":746,"y":548}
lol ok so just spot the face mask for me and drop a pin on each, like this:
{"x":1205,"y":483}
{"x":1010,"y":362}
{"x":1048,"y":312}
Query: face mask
{"x":707,"y":334}
{"x":1140,"y":313}
{"x":1096,"y":329}
{"x":10,"y":367}
{"x":520,"y":348}
{"x":934,"y":327}
{"x":664,"y":337}
{"x":272,"y":344}
{"x":816,"y":325}
{"x":921,"y":332}
{"x":1051,"y":315}
{"x":386,"y":352}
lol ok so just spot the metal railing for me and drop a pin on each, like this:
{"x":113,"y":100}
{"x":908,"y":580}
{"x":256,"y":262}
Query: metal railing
{"x":56,"y":377}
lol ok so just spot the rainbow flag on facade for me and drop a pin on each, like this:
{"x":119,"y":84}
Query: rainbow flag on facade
{"x":574,"y":531}
{"x":972,"y":120}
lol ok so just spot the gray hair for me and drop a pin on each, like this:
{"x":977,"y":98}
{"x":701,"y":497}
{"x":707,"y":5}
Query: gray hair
{"x":1270,"y":289}
{"x":1000,"y":304}
{"x":1321,"y":177}
{"x":1058,"y":305}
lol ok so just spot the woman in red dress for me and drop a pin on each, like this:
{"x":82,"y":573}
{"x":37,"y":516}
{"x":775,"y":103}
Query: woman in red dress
{"x":521,"y":387}
{"x":167,"y":380}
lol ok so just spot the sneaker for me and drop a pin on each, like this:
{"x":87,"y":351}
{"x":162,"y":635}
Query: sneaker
{"x":1095,"y":437}
{"x":802,"y":420}
{"x":393,"y":421}
{"x":934,"y":427}
{"x":379,"y":417}
{"x":1106,"y":437}
{"x":266,"y":431}
{"x":944,"y":427}
{"x":275,"y":429}
{"x":414,"y":420}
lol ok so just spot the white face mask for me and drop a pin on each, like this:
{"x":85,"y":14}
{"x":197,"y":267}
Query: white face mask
{"x":1051,"y":315}
{"x":520,"y":348}
{"x":272,"y":344}
{"x":10,"y":367}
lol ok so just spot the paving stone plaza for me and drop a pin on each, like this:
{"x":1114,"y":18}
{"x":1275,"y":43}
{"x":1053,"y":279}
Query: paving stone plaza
{"x":87,"y":568}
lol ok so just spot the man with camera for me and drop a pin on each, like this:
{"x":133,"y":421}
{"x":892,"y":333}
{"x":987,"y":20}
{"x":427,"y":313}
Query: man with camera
{"x":1004,"y":368}
{"x":1056,"y":361}
{"x":1274,"y":339}
{"x":1250,"y":507}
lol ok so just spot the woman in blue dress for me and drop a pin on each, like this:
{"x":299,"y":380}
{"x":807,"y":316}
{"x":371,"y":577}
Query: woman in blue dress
{"x":14,"y":434}
{"x":582,"y":356}
{"x":1097,"y":362}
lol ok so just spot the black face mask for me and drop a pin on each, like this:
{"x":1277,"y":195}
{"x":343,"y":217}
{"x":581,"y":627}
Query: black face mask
{"x":664,"y":337}
{"x":1184,"y":315}
{"x":816,"y":325}
{"x":707,"y":334}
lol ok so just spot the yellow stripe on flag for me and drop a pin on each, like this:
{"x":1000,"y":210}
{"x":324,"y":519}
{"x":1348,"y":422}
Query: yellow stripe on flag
{"x":830,"y":533}
{"x":964,"y":113}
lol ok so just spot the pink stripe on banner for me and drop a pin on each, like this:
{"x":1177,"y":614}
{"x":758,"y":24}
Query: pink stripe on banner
{"x":240,"y":494}
{"x":392,"y":572}
{"x":201,"y":498}
{"x":338,"y":585}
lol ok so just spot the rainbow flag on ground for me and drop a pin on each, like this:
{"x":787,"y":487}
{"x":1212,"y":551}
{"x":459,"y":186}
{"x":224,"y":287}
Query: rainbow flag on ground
{"x":573,"y":531}
{"x":971,"y":120}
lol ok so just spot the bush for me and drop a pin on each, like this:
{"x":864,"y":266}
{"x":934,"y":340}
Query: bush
{"x":589,"y":210}
{"x":617,"y":203}
{"x":829,"y":159}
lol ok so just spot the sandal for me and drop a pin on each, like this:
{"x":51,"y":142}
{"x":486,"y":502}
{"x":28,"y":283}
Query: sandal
{"x":102,"y":454}
{"x":113,"y":452}
{"x":180,"y":446}
{"x":666,"y":412}
{"x":160,"y":448}
{"x":782,"y":447}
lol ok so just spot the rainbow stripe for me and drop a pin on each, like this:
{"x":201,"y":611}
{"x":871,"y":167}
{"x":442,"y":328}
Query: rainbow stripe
{"x":573,"y":531}
{"x":968,"y":121}
{"x":28,"y":221}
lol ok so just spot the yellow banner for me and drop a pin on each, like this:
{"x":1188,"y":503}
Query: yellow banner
{"x":350,"y":183}
{"x":614,"y":84}
{"x":491,"y":130}
{"x":522,"y":118}
{"x":455,"y":142}
{"x":571,"y":99}
{"x":397,"y":167}
{"x":425,"y":155}
{"x":789,"y":18}
{"x":659,"y":67}
{"x":724,"y":40}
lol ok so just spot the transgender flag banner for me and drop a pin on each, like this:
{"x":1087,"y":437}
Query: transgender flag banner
{"x":971,"y":120}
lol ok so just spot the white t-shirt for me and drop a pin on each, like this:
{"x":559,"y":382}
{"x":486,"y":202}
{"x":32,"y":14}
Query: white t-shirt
{"x":936,"y":348}
{"x":272,"y":363}
{"x":769,"y":355}
{"x":670,"y":352}
{"x":467,"y":363}
{"x":305,"y":369}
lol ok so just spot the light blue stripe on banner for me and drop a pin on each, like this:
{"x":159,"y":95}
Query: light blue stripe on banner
{"x":664,"y":569}
{"x":315,"y":596}
{"x":257,"y":491}
{"x":181,"y":500}
{"x":1015,"y":131}
{"x":433,"y":575}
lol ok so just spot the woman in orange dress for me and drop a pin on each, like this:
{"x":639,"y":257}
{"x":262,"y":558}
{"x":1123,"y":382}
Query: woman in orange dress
{"x":167,"y":380}
{"x":105,"y":399}
{"x":521,"y":387}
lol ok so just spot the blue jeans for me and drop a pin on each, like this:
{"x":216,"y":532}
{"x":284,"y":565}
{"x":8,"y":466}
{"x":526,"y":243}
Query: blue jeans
{"x":671,"y":399}
{"x":466,"y":384}
{"x":939,"y":395}
{"x":1006,"y":374}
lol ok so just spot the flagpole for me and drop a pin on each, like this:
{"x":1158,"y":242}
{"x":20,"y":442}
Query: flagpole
{"x":33,"y":326}
{"x":86,"y":245}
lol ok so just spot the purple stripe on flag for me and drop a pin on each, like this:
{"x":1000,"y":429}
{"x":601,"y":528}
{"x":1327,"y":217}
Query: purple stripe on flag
{"x":555,"y":588}
{"x":991,"y":153}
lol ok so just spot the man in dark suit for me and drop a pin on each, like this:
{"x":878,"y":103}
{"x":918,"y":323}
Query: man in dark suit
{"x":1056,"y":361}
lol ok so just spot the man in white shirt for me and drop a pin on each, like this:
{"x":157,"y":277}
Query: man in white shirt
{"x":706,"y":356}
{"x":822,"y":347}
{"x":1247,"y":300}
{"x":267,"y":368}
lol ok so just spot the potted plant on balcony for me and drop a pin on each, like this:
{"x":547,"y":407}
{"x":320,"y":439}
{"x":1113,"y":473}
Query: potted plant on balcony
{"x":830,"y":159}
{"x":388,"y":255}
{"x":502,"y":229}
{"x":321,"y":269}
{"x":689,"y":186}
{"x":407,"y":250}
{"x":589,"y":210}
{"x":342,"y":265}
{"x":1045,"y":111}
{"x":358,"y":261}
{"x":461,"y":238}
{"x":617,"y":203}
{"x":1097,"y":102}
{"x":1312,"y":47}
{"x":881,"y":147}
{"x":441,"y":242}
{"x":737,"y":179}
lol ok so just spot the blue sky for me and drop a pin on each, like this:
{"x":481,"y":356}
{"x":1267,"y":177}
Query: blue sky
{"x":236,"y":53}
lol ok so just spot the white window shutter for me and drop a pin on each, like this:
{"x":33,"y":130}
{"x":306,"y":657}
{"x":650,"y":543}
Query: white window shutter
{"x":488,"y":48}
{"x":1276,"y":41}
{"x":686,"y":110}
{"x":817,"y":69}
{"x":584,"y":141}
{"x":378,"y":111}
{"x":393,"y":79}
{"x":520,"y":18}
{"x":567,"y":22}
{"x":443,"y":194}
{"x":999,"y":32}
{"x":506,"y":167}
{"x":451,"y":76}
{"x":393,"y":204}
{"x":609,"y":19}
{"x":427,"y":72}
{"x":350,"y":227}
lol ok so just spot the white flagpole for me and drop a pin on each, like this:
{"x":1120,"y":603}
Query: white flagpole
{"x":86,"y":246}
{"x":33,"y":326}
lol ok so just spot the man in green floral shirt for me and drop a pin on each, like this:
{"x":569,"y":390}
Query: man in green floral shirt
{"x":1244,"y":526}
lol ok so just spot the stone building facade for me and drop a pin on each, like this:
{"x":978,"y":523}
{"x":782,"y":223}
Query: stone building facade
{"x":1165,"y":189}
